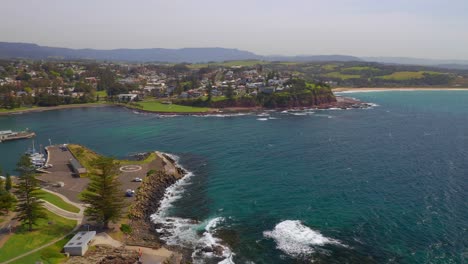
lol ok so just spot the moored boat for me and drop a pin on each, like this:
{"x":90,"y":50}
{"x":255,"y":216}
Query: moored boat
{"x":6,"y":135}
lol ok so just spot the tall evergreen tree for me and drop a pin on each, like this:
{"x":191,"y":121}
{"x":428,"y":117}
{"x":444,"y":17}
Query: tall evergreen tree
{"x":7,"y":200}
{"x":230,"y":92}
{"x":29,"y":206}
{"x":209,"y":89}
{"x":103,"y":194}
{"x":8,"y":182}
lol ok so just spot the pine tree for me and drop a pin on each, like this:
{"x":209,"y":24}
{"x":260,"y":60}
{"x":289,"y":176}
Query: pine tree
{"x":7,"y":201}
{"x":103,"y":194}
{"x":8,"y":182}
{"x":29,"y":206}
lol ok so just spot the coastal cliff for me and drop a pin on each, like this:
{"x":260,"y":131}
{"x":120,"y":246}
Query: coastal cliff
{"x":147,"y":202}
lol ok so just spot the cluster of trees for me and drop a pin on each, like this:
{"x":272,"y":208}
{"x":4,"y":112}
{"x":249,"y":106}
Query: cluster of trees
{"x":7,"y":200}
{"x":25,"y":199}
{"x":103,"y":194}
{"x":299,"y":94}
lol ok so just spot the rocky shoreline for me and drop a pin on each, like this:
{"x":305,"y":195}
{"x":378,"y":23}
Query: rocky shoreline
{"x":341,"y":103}
{"x":147,"y":202}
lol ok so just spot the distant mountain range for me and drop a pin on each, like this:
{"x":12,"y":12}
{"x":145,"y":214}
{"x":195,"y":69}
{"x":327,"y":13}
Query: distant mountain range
{"x":10,"y":50}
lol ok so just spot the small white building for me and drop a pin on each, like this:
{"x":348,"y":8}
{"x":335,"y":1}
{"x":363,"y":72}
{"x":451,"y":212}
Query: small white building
{"x":127,"y":97}
{"x":78,"y":245}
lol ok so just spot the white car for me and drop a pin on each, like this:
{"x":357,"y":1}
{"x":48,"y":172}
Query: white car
{"x":137,"y":179}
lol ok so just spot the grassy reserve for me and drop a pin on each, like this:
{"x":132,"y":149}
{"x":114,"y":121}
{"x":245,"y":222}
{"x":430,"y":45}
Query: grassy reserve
{"x":85,"y":156}
{"x":406,"y":75}
{"x":59,"y":202}
{"x":48,"y":255}
{"x":45,"y":230}
{"x":342,"y":76}
{"x":156,"y":106}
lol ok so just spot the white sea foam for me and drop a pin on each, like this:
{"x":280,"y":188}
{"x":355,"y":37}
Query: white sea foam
{"x":209,"y":246}
{"x":262,"y":119}
{"x":296,"y":239}
{"x":183,"y":232}
{"x":224,"y":115}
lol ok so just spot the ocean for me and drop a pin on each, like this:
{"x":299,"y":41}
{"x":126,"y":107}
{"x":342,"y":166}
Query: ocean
{"x":387,"y":184}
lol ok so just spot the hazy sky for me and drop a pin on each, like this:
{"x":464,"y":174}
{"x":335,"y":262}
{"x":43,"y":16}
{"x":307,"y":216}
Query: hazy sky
{"x":415,"y":28}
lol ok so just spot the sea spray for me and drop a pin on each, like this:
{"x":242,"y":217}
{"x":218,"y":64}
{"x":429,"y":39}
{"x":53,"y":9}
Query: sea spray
{"x":296,"y":239}
{"x":178,"y":231}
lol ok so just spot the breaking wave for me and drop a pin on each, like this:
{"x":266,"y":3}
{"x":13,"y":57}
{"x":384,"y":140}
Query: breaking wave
{"x":296,"y":239}
{"x":184,"y":232}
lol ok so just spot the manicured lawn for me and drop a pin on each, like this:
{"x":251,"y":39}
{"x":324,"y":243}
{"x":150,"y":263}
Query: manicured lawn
{"x":55,"y":200}
{"x":155,"y":106}
{"x":23,"y":241}
{"x":49,"y":255}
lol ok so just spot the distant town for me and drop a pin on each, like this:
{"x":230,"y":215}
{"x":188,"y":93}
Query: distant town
{"x":28,"y":84}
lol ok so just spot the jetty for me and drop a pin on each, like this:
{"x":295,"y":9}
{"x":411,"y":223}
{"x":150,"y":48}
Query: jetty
{"x":7,"y":135}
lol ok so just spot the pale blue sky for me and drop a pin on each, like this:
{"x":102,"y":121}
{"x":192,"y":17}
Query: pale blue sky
{"x":415,"y":28}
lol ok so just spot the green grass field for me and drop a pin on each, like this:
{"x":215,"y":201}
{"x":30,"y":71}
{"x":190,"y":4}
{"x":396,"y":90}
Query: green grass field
{"x":23,"y":241}
{"x":406,"y":75}
{"x":86,"y":156}
{"x":57,"y":201}
{"x":342,"y":76}
{"x":155,"y":106}
{"x":49,"y":255}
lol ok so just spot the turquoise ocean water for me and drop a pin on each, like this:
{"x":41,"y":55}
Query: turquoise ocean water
{"x":381,"y":185}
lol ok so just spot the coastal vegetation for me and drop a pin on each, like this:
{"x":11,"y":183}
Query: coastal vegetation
{"x":29,"y":207}
{"x":103,"y":194}
{"x":299,"y":94}
{"x":57,"y":201}
{"x":86,"y":157}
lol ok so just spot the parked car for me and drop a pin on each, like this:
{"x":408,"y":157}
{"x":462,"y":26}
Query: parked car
{"x":137,"y":179}
{"x":129,"y":193}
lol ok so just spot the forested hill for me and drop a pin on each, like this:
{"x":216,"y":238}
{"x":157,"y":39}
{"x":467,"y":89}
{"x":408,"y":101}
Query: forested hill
{"x":190,"y":55}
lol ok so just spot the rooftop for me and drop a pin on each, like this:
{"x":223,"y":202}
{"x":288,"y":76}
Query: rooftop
{"x":81,"y":238}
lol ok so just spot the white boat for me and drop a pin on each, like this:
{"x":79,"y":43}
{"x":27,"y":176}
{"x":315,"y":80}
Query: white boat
{"x":38,"y":160}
